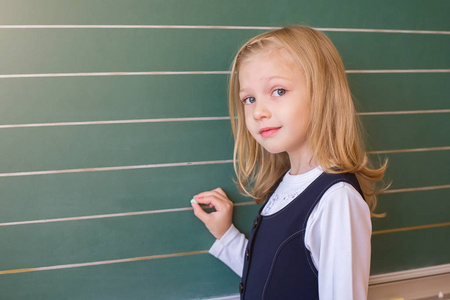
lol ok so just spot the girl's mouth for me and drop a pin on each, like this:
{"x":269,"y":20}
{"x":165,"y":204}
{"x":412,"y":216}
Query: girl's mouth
{"x":268,"y":131}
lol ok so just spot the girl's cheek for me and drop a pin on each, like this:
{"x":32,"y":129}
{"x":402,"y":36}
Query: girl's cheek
{"x":248,"y":114}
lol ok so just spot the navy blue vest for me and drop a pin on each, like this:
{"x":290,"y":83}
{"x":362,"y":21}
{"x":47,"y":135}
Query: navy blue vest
{"x":281,"y":267}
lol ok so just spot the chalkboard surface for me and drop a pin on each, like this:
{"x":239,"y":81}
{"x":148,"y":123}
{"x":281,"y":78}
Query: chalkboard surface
{"x":113,"y":114}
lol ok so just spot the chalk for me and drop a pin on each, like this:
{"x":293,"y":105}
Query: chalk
{"x":398,"y":299}
{"x":441,"y":295}
{"x":193,"y":201}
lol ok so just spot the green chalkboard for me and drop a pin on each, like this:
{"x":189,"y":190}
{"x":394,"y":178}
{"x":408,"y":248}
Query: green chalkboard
{"x":113,"y":114}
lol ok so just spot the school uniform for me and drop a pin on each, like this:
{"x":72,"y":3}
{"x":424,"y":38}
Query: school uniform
{"x":301,"y":247}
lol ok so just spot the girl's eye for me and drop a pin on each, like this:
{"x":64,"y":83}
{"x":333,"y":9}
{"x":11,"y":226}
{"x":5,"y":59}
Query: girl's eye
{"x":278,"y":92}
{"x":249,"y":100}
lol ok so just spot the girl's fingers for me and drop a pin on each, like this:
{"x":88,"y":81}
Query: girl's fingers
{"x":220,"y":191}
{"x":200,"y":213}
{"x":207,"y":198}
{"x":210,"y":201}
{"x":219,"y":221}
{"x":213,"y":199}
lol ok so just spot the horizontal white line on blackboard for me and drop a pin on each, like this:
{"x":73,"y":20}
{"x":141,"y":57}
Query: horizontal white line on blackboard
{"x":98,"y":263}
{"x":104,"y":216}
{"x":107,"y":122}
{"x":171,"y":210}
{"x":118,"y":168}
{"x":410,"y":150}
{"x":116,"y":215}
{"x":405,"y":112}
{"x":181,"y":164}
{"x":88,"y":74}
{"x":385,"y":30}
{"x":160,"y":120}
{"x":399,"y":71}
{"x":216,"y":27}
{"x":417,"y":189}
{"x":162,"y":256}
{"x":411,"y":228}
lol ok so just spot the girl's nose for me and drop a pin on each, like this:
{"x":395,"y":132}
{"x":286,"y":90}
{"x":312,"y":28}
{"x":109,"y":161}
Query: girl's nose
{"x":261,"y":111}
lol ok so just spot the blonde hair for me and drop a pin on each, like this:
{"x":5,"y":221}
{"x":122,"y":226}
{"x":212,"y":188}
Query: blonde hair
{"x":334,"y":131}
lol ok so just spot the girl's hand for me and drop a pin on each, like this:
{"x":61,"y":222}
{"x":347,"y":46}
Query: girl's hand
{"x":217,"y":222}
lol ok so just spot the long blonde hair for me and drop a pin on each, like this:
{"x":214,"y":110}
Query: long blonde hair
{"x":334,"y":131}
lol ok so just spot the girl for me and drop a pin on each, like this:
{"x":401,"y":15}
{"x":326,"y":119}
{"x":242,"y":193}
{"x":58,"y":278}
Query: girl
{"x":297,"y":144}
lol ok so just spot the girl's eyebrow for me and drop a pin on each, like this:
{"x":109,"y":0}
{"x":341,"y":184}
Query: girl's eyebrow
{"x":268,"y":79}
{"x":241,"y":90}
{"x":277,"y":77}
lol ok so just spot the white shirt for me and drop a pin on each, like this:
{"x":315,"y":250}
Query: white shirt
{"x":337,"y":234}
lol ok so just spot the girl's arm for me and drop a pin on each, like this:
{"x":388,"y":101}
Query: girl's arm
{"x":338,"y":236}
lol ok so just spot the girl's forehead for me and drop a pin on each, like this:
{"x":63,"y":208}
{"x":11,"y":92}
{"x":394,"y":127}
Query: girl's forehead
{"x":275,"y":57}
{"x":265,"y":52}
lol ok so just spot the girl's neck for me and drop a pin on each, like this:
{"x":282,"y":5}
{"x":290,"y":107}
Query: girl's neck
{"x":300,"y":166}
{"x":296,"y":170}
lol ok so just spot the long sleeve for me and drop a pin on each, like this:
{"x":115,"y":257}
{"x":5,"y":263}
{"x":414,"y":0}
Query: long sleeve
{"x":230,"y":249}
{"x":338,"y":237}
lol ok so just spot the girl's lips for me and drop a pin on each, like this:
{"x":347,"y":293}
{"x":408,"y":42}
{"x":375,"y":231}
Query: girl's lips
{"x":268,"y":131}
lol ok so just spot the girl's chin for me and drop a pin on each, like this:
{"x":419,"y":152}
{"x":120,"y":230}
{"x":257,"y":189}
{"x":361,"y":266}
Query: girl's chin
{"x":272,"y":150}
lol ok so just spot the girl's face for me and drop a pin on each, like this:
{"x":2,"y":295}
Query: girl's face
{"x":275,"y":95}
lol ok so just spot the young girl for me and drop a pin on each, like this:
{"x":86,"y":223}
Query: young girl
{"x":298,"y":150}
